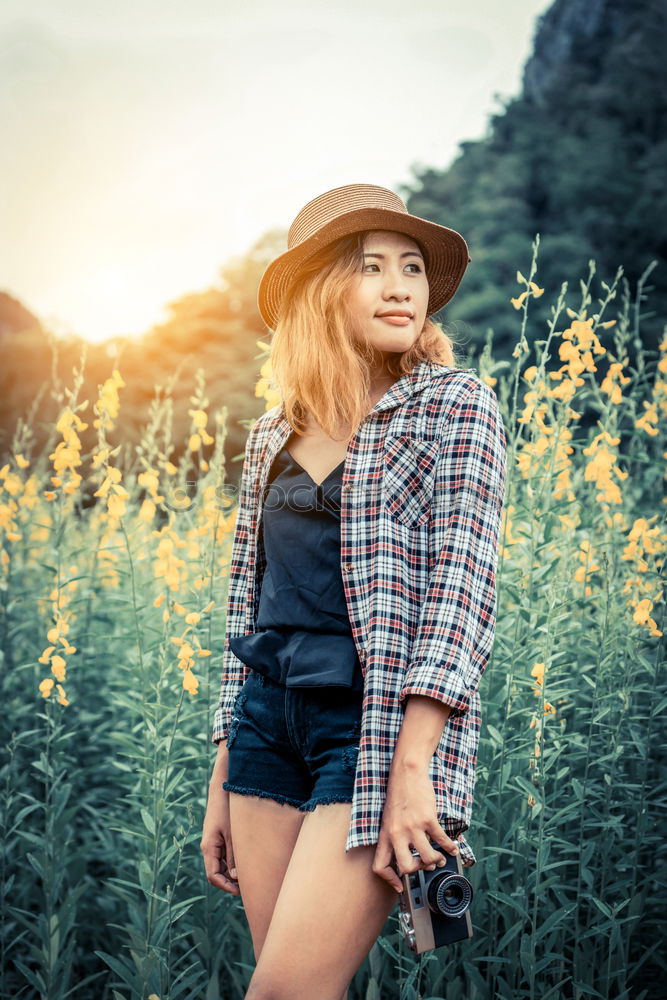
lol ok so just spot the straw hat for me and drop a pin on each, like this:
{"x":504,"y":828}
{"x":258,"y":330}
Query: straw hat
{"x":353,"y":208}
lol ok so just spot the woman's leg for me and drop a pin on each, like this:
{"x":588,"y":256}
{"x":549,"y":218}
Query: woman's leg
{"x":328,"y":913}
{"x":263,"y":834}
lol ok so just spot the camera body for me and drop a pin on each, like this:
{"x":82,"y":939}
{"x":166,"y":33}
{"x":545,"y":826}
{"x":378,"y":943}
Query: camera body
{"x":434,"y":906}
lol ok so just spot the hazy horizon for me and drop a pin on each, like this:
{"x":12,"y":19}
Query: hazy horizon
{"x":147,"y":146}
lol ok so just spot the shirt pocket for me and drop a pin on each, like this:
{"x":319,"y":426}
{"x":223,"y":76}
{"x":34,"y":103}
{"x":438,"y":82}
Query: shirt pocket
{"x":408,"y":478}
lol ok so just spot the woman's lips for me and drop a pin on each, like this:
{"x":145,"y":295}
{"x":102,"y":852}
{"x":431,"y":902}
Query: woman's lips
{"x":396,"y":320}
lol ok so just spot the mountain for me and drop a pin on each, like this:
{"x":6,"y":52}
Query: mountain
{"x":15,"y":317}
{"x":580,"y":157}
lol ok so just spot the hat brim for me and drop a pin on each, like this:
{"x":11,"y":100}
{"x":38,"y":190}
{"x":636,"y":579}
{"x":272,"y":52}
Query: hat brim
{"x":447,"y":253}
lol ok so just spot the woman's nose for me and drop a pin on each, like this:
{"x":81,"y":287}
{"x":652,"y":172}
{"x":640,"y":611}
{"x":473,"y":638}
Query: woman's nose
{"x":395,"y":285}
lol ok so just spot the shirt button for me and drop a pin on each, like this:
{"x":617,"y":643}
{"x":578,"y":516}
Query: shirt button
{"x":348,"y":567}
{"x":347,"y":487}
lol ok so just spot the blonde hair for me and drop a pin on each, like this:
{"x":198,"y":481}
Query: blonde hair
{"x":318,"y":365}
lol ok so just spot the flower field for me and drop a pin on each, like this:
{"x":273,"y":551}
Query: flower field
{"x":113,"y":580}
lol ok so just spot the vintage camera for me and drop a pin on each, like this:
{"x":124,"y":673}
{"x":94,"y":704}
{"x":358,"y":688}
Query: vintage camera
{"x":433,"y":906}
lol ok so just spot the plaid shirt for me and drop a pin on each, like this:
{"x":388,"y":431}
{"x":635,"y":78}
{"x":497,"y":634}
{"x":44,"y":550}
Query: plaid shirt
{"x":421,"y":504}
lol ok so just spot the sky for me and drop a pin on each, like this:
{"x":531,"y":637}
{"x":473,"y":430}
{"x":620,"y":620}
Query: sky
{"x":146,"y":142}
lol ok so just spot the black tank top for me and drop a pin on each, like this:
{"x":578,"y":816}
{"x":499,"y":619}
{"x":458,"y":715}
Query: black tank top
{"x":303,"y":636}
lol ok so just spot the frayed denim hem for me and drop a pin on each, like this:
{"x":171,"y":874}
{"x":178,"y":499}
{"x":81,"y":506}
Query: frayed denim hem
{"x":323,"y":800}
{"x":284,"y":800}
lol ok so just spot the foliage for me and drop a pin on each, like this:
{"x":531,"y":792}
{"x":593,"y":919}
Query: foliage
{"x":113,"y":578}
{"x":578,"y":157}
{"x":215,"y":330}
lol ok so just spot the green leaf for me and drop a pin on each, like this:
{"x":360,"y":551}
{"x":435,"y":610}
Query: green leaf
{"x":149,"y":821}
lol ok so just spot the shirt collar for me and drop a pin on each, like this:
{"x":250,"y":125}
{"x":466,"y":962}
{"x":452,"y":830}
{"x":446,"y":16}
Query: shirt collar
{"x":406,"y":386}
{"x":400,"y":392}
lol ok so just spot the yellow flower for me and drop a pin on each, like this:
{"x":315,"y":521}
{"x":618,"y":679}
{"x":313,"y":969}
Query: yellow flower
{"x":642,"y":616}
{"x":67,"y":420}
{"x":46,"y":655}
{"x":518,"y":301}
{"x":167,"y":565}
{"x":190,"y":682}
{"x":62,"y":700}
{"x":107,"y":406}
{"x":46,"y":687}
{"x":117,"y":506}
{"x":100,"y":457}
{"x":199,"y":418}
{"x":149,"y":479}
{"x":113,"y":476}
{"x":58,"y":665}
{"x":193,"y":618}
{"x":158,"y":601}
{"x":22,"y":462}
{"x":147,"y":512}
{"x":538,"y":673}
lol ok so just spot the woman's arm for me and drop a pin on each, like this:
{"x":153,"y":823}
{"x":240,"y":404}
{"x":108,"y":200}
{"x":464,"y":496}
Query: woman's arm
{"x":234,"y":672}
{"x":455,"y":632}
{"x":216,"y":842}
{"x":456,"y":627}
{"x":409,"y":815}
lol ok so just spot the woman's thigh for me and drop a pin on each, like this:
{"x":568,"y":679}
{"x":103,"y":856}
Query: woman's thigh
{"x":329,"y":911}
{"x":263,"y":836}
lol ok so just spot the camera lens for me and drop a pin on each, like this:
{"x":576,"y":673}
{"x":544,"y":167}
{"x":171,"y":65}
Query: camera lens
{"x":453,"y":896}
{"x":449,"y":894}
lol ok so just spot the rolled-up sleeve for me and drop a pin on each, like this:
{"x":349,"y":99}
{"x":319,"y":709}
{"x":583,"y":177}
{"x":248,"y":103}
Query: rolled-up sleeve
{"x":234,"y":671}
{"x":456,"y":627}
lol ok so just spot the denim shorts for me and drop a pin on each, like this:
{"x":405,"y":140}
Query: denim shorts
{"x":298,"y":746}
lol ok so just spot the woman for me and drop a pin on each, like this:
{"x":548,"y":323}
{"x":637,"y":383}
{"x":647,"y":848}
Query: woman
{"x":361,"y":605}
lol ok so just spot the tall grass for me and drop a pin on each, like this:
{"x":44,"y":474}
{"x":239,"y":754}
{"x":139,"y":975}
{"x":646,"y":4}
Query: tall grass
{"x":113,"y":582}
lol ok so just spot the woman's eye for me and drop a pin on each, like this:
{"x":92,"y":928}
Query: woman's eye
{"x":418,"y":271}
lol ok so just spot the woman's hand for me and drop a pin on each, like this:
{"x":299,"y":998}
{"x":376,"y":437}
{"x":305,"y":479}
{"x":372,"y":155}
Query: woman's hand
{"x":410,"y":815}
{"x":216,"y":843}
{"x":409,"y":819}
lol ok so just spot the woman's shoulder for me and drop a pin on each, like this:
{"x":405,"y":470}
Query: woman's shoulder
{"x":264,"y":423}
{"x":449,"y":387}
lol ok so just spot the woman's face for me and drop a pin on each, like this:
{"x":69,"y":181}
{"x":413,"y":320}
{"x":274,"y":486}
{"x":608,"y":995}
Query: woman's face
{"x":390,"y":295}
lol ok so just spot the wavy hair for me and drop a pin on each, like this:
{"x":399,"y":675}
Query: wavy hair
{"x":320,"y":358}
